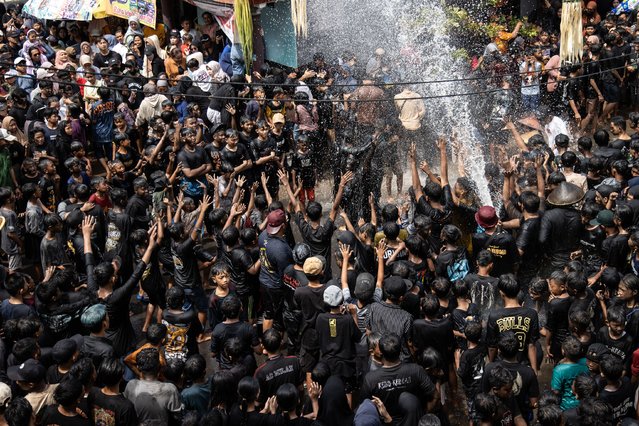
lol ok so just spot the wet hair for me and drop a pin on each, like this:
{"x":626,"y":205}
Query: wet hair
{"x":594,"y":412}
{"x":24,"y":349}
{"x":429,"y":420}
{"x":390,"y":346}
{"x":433,"y":191}
{"x":430,"y":305}
{"x":619,"y":121}
{"x":18,"y":412}
{"x":529,"y":201}
{"x":484,"y":258}
{"x":617,"y":314}
{"x":14,"y":284}
{"x":572,"y":348}
{"x":247,"y":390}
{"x":508,"y":285}
{"x":391,"y":230}
{"x":231,"y":307}
{"x":373,"y":339}
{"x":508,"y":344}
{"x":68,"y":391}
{"x":450,"y":234}
{"x":601,"y":137}
{"x":473,"y":331}
{"x":93,"y":317}
{"x":321,"y":372}
{"x":110,"y":372}
{"x":173,"y":370}
{"x":399,"y":269}
{"x":156,"y":333}
{"x":175,"y":297}
{"x":224,"y":388}
{"x":314,"y":210}
{"x":148,"y":360}
{"x":562,"y":140}
{"x":301,"y":252}
{"x":568,"y":159}
{"x":585,"y":143}
{"x":625,"y":214}
{"x":486,"y":406}
{"x":580,"y":320}
{"x":230,"y":236}
{"x":549,"y":415}
{"x":500,"y":377}
{"x":194,"y":367}
{"x":287,"y":397}
{"x":390,"y":213}
{"x":555,"y":178}
{"x":585,"y":386}
{"x":611,"y":367}
{"x":248,"y":236}
{"x":441,"y":287}
{"x":272,"y":340}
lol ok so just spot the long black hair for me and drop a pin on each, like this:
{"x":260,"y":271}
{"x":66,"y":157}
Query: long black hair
{"x":248,"y":390}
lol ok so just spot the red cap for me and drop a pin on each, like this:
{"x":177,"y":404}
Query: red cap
{"x":275,"y":220}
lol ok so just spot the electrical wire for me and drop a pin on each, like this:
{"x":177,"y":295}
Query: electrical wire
{"x":380,"y":100}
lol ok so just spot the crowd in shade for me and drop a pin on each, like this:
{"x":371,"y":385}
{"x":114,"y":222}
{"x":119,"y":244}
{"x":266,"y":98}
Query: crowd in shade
{"x":187,"y":240}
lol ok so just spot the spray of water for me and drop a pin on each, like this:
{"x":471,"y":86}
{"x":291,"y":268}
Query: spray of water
{"x":415,"y":31}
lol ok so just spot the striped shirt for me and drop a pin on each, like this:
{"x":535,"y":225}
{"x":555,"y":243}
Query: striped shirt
{"x":387,"y":318}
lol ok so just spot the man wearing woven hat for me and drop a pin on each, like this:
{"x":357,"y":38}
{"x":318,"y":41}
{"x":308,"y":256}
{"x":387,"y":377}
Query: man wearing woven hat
{"x":275,"y":256}
{"x":561,"y":226}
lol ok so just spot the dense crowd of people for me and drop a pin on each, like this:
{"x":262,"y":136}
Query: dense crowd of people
{"x":134,"y":171}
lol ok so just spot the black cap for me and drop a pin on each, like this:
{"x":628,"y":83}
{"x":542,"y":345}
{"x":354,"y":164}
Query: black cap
{"x":14,"y":34}
{"x":30,"y":371}
{"x":596,"y":352}
{"x":174,"y":33}
{"x":394,"y":286}
{"x":205,"y":38}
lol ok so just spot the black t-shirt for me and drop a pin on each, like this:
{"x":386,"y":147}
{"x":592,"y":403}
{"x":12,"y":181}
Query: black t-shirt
{"x":483,"y":293}
{"x":186,"y":273}
{"x":52,"y":417}
{"x":318,"y":239}
{"x":294,"y":278}
{"x":223,"y":332}
{"x":615,"y":251}
{"x":528,"y":242}
{"x":311,"y":302}
{"x":54,"y":375}
{"x":237,"y":157}
{"x":525,"y":386}
{"x":620,"y":347}
{"x":389,"y":383}
{"x":503,"y":248}
{"x":105,"y":61}
{"x":437,"y":334}
{"x":524,"y":322}
{"x":557,"y":321}
{"x":112,"y":409}
{"x":471,"y":369}
{"x":277,"y":371}
{"x":506,"y":412}
{"x":240,"y":261}
{"x":337,"y":335}
{"x":621,"y":400}
{"x":192,"y":159}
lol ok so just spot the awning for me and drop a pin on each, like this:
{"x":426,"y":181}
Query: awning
{"x":85,"y":10}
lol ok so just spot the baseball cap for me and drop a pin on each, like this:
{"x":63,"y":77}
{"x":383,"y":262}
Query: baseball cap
{"x":205,"y":38}
{"x":4,"y":134}
{"x":279,"y":118}
{"x":174,"y":33}
{"x":604,"y":218}
{"x":333,"y":296}
{"x":313,"y":266}
{"x":5,"y":394}
{"x":19,"y":60}
{"x":364,"y":287}
{"x":63,"y":350}
{"x":596,"y":352}
{"x":275,"y":220}
{"x":42,"y":73}
{"x":11,"y":73}
{"x":394,"y":286}
{"x":30,"y":371}
{"x":13,"y":34}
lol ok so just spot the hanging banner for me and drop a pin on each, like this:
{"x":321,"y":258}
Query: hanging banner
{"x":72,"y":10}
{"x":143,"y":9}
{"x":223,"y":13}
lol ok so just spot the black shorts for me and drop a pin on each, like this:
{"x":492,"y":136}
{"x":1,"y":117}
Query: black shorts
{"x":611,"y":92}
{"x":197,"y":298}
{"x":272,"y":302}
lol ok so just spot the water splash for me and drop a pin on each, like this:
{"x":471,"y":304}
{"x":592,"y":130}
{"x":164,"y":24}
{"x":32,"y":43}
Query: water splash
{"x":414,"y":34}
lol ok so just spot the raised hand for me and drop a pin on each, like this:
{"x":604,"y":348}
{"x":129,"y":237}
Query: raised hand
{"x":346,"y":177}
{"x":346,"y":251}
{"x":381,"y":248}
{"x":423,"y":165}
{"x":207,"y":201}
{"x":283,"y":176}
{"x":88,"y":223}
{"x":412,"y":150}
{"x":240,"y":181}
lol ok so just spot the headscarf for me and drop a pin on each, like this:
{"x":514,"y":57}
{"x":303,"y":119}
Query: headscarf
{"x":22,"y":139}
{"x":90,"y":49}
{"x":59,"y":63}
{"x":333,"y":405}
{"x":111,"y":40}
{"x":130,"y":32}
{"x":73,"y":54}
{"x":216,"y":73}
{"x":154,"y":41}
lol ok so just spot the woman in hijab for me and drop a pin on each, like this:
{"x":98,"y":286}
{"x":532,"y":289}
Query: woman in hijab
{"x":133,"y":30}
{"x":218,"y":76}
{"x":11,"y":125}
{"x":85,"y":49}
{"x":333,"y":405}
{"x":61,"y":59}
{"x":175,"y":65}
{"x":73,"y":55}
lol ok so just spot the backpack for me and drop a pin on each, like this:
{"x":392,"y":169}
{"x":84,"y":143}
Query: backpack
{"x":459,"y":267}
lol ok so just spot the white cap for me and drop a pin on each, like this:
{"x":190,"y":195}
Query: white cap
{"x":4,"y":134}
